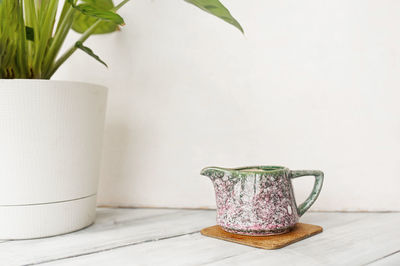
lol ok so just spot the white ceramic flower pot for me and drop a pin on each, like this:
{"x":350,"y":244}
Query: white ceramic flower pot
{"x":50,"y":149}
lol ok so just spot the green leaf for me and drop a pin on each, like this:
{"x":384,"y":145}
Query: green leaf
{"x":92,"y":11}
{"x":100,"y":4}
{"x":215,"y":8}
{"x":94,"y":8}
{"x":82,"y":22}
{"x":30,"y":35}
{"x":89,"y":52}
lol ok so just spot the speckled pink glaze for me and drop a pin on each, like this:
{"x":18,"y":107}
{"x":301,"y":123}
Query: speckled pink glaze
{"x":254,"y":203}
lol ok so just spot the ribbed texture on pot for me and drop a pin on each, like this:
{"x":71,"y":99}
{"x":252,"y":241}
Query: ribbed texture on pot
{"x":50,"y":150}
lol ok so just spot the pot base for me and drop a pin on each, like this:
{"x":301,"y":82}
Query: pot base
{"x":46,"y":219}
{"x":258,"y":232}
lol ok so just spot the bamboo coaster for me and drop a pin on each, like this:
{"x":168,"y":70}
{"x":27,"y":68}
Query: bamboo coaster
{"x":300,"y":231}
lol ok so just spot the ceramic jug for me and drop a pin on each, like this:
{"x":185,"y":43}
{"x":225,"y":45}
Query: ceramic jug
{"x":259,"y":200}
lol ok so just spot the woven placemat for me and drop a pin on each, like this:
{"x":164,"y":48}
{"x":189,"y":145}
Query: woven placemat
{"x":300,"y":231}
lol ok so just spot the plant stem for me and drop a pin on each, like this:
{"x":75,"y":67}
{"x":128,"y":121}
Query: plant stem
{"x":46,"y":29}
{"x":82,"y":39}
{"x":61,"y":33}
{"x":72,"y":49}
{"x":119,"y":5}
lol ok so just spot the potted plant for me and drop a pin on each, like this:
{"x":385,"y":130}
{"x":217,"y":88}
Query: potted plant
{"x":51,"y":131}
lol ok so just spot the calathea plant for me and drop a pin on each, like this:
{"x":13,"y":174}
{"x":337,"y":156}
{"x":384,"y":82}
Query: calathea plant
{"x":31,"y":33}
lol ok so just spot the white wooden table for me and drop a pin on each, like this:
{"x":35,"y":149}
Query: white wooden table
{"x":171,"y":237}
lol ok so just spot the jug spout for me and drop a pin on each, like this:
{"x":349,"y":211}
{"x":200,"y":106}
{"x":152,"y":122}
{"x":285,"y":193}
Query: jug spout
{"x":214,"y":172}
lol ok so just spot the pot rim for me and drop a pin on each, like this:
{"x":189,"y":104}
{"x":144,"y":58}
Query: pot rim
{"x":257,"y":168}
{"x":52,"y":81}
{"x":265,"y":169}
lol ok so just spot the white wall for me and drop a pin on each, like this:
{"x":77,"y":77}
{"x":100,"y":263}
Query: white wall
{"x":314,"y":84}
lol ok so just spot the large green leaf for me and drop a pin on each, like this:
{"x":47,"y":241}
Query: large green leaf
{"x":89,"y":52}
{"x":90,"y":10}
{"x":95,"y":9}
{"x":82,"y":22}
{"x":215,"y":8}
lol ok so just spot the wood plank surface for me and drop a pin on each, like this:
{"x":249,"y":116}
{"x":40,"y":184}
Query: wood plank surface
{"x":113,"y":228}
{"x":171,"y":237}
{"x":361,"y":240}
{"x":392,"y":259}
{"x":348,"y":239}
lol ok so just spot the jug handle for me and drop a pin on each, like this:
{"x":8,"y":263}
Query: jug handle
{"x":319,"y":179}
